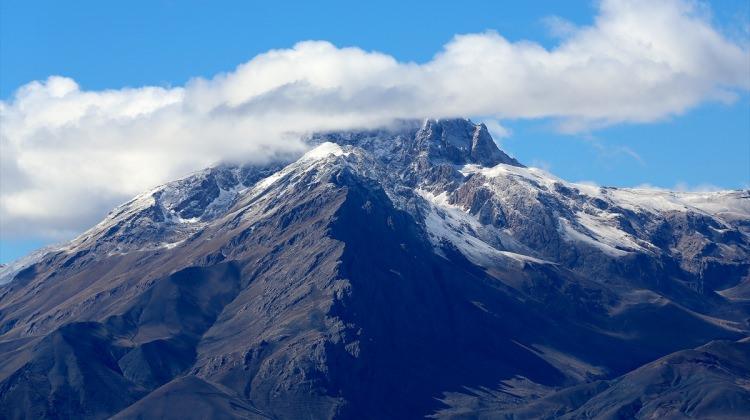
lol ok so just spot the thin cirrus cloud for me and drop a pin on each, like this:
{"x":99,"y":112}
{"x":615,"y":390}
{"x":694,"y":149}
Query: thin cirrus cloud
{"x":69,"y":154}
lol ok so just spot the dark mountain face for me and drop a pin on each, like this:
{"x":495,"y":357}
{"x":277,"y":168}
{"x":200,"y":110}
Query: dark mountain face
{"x":402,"y":273}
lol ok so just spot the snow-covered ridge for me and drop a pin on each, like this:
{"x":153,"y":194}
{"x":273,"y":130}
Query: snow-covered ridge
{"x":308,"y":161}
{"x":649,"y":199}
{"x":595,"y":215}
{"x":8,"y":271}
{"x":166,"y":215}
{"x":490,"y":213}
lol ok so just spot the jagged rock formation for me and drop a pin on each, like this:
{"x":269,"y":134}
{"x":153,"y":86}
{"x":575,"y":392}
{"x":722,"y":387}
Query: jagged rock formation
{"x":397,"y":273}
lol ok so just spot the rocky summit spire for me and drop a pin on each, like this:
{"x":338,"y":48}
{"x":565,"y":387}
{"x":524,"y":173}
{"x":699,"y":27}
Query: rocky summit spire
{"x":457,"y":141}
{"x":460,"y":141}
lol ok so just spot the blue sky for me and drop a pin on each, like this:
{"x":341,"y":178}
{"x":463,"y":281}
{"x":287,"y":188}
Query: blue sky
{"x":115,"y":44}
{"x":108,"y":45}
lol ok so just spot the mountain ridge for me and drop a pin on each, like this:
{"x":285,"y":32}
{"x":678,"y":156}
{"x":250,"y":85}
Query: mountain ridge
{"x":376,"y":275}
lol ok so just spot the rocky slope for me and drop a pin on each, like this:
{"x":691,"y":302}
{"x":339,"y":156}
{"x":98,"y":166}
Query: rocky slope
{"x":398,"y":273}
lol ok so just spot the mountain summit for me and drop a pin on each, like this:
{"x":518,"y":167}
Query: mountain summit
{"x":456,"y":141}
{"x":404,"y":272}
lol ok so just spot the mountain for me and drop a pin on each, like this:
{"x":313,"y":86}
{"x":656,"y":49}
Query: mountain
{"x":405,"y":272}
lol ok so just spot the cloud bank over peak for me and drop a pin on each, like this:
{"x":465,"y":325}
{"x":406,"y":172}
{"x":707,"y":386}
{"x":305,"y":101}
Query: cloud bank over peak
{"x":68,"y":154}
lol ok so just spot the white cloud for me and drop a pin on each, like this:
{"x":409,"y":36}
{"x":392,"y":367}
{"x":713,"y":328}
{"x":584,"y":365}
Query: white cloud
{"x":541,"y":164}
{"x":685,"y":187}
{"x":559,"y":27}
{"x":68,"y":154}
{"x":497,"y":130}
{"x":682,"y":187}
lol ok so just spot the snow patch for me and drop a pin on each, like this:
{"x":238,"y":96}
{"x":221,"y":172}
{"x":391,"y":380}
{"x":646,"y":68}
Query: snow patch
{"x":607,"y":233}
{"x":525,"y":258}
{"x":324,"y":150}
{"x":572,"y":235}
{"x":449,"y":223}
{"x":536,"y":175}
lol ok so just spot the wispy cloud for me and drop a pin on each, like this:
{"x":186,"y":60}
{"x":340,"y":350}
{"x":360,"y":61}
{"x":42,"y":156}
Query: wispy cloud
{"x":610,"y":151}
{"x":497,"y":130}
{"x":685,"y":187}
{"x":559,"y":27}
{"x":69,"y":153}
{"x":541,"y":164}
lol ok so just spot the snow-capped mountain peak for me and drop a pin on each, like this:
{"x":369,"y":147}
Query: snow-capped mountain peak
{"x":420,"y":259}
{"x":510,"y":207}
